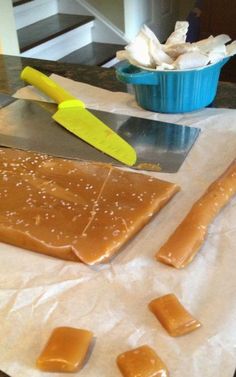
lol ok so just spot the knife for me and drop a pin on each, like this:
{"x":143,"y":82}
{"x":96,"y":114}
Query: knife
{"x":160,"y":146}
{"x":73,"y":116}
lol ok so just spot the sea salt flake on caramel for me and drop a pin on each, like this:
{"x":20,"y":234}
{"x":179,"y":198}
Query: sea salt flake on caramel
{"x":141,"y":362}
{"x":65,"y":350}
{"x":73,"y":210}
{"x":173,"y":316}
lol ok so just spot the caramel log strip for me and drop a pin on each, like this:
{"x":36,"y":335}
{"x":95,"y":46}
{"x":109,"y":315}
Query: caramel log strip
{"x":65,"y":350}
{"x":173,"y":316}
{"x":184,"y":243}
{"x":143,"y":362}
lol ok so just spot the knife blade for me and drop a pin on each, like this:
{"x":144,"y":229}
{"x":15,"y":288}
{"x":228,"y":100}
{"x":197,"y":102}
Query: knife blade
{"x":73,"y":116}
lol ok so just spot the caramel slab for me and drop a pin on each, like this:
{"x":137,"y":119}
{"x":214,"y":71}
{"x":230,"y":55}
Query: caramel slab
{"x":185,"y":242}
{"x":142,"y":362}
{"x":65,"y":350}
{"x":173,"y":316}
{"x":73,"y":210}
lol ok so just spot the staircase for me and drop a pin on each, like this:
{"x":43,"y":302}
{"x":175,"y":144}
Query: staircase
{"x":45,"y":32}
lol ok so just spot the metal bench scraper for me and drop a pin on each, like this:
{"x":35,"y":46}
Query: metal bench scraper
{"x":160,"y":146}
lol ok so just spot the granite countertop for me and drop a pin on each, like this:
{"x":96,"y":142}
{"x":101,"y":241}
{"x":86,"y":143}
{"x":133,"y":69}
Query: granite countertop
{"x":11,"y":66}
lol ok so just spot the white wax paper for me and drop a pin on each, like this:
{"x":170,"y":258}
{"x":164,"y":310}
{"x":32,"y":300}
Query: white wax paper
{"x":146,"y":51}
{"x":39,"y":293}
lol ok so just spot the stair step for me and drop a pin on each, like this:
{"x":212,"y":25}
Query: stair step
{"x":49,"y":28}
{"x":93,"y":54}
{"x":20,"y":2}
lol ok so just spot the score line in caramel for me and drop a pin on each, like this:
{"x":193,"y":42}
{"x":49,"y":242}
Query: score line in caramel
{"x":65,"y":350}
{"x":184,"y":243}
{"x":173,"y":316}
{"x":74,"y":210}
{"x":142,"y":362}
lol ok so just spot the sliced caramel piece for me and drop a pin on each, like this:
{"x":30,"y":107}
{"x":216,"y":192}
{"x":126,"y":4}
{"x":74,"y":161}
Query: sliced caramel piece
{"x":173,"y":316}
{"x":184,"y":243}
{"x":65,"y":350}
{"x":141,"y":362}
{"x":73,"y":210}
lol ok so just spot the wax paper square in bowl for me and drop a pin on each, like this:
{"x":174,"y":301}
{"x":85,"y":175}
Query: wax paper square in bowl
{"x":174,"y":77}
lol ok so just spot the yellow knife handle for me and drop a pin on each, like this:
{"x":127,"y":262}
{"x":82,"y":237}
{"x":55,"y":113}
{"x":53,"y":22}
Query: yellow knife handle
{"x":47,"y":86}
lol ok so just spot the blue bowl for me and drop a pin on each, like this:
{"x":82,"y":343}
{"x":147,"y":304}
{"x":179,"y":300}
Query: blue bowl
{"x":172,"y":91}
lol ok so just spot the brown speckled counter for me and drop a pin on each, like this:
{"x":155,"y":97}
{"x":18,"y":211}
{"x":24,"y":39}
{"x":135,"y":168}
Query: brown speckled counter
{"x":11,"y":66}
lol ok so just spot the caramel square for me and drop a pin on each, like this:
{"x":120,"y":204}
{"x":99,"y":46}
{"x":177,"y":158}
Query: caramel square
{"x":173,"y":316}
{"x":65,"y":350}
{"x":141,"y":362}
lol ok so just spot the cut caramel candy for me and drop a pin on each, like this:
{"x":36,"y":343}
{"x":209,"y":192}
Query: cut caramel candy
{"x":173,"y":316}
{"x":184,"y":243}
{"x":141,"y":362}
{"x":65,"y":350}
{"x":73,"y":210}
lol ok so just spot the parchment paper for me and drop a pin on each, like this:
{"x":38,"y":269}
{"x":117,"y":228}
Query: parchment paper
{"x":39,"y":293}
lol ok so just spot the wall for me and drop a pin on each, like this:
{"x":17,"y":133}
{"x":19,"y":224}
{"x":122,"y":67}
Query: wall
{"x":126,"y":15}
{"x":8,"y":36}
{"x":130,"y":15}
{"x":137,"y":13}
{"x":164,"y":16}
{"x":165,"y":13}
{"x":112,"y":10}
{"x":184,"y":8}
